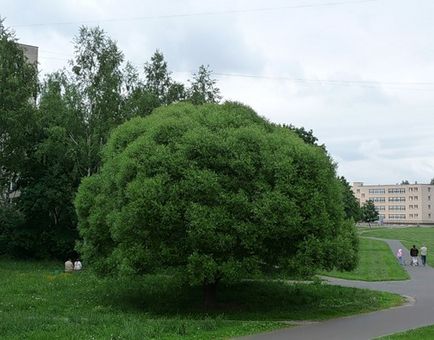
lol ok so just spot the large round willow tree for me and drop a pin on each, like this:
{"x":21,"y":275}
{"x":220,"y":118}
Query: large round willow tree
{"x":215,"y":192}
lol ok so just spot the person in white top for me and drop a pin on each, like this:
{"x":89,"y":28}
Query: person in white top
{"x":77,"y":265}
{"x":69,"y":266}
{"x":399,"y":256}
{"x":423,"y":252}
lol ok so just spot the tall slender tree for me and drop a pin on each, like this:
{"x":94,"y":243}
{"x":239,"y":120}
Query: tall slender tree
{"x":98,"y":79}
{"x":158,"y":81}
{"x":203,"y":87}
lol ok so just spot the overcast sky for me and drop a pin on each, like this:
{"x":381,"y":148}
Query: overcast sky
{"x":360,"y":74}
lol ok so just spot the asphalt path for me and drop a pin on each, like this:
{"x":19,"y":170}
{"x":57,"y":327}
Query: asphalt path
{"x":418,"y":312}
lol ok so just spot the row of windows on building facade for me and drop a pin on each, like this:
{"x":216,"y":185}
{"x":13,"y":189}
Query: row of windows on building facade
{"x":400,"y":216}
{"x":391,"y":207}
{"x":390,"y":199}
{"x":395,"y":199}
{"x":393,"y":190}
{"x":398,"y":207}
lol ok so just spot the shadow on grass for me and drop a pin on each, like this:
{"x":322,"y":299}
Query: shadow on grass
{"x":249,"y":300}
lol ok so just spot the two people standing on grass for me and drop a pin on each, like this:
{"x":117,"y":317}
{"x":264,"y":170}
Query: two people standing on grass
{"x":71,"y":267}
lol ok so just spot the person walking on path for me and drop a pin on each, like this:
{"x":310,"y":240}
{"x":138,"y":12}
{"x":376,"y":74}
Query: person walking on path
{"x":399,"y":256}
{"x":414,"y":252}
{"x":423,"y":252}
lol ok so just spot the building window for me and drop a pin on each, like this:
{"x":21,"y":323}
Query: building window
{"x":377,"y":199}
{"x":429,"y":189}
{"x":416,"y":198}
{"x":416,"y":215}
{"x":397,"y":199}
{"x":410,"y":216}
{"x":380,"y":207}
{"x":397,"y":216}
{"x":429,"y":215}
{"x":416,"y":189}
{"x":358,"y":191}
{"x":416,"y":206}
{"x":396,"y":190}
{"x":396,"y":207}
{"x":429,"y":206}
{"x":429,"y":198}
{"x":377,"y":191}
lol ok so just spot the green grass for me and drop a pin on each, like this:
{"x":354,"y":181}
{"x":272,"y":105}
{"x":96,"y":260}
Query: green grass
{"x":376,"y":263}
{"x":38,"y":301}
{"x":418,"y":333}
{"x":408,"y":237}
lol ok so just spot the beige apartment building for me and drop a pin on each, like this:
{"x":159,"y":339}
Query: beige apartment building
{"x":399,"y":203}
{"x":31,"y":53}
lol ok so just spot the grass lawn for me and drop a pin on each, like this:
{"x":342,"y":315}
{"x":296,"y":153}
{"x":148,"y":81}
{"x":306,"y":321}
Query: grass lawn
{"x":376,"y":263}
{"x":38,"y":301}
{"x":408,"y":237}
{"x":418,"y":333}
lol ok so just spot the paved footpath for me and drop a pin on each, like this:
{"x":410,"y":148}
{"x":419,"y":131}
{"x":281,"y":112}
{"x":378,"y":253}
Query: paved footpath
{"x":417,"y":313}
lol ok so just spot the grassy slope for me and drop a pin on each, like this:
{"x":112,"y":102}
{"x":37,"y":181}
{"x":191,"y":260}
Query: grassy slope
{"x":376,"y":263}
{"x":408,"y":237}
{"x":39,"y":302}
{"x":418,"y":333}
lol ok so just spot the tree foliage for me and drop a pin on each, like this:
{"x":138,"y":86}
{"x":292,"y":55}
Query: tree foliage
{"x":10,"y":220}
{"x":47,"y":145}
{"x":203,"y":87}
{"x":97,"y":82}
{"x":351,"y":204}
{"x":159,"y":82}
{"x":369,"y":213}
{"x":216,"y":192}
{"x":307,"y":136}
{"x":50,"y":179}
{"x":18,"y":85}
{"x":76,"y":111}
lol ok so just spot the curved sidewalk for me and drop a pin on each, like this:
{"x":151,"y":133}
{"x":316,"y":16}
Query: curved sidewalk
{"x":419,"y":313}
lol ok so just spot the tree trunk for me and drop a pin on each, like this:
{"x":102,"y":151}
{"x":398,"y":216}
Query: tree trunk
{"x":209,"y":294}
